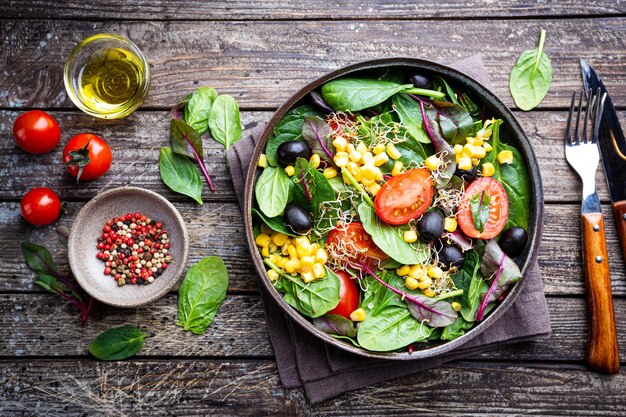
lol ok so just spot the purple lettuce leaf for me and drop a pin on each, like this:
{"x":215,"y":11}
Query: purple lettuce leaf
{"x":442,"y":147}
{"x":318,"y":134}
{"x":335,"y":324}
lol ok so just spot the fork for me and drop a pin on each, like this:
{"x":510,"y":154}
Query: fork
{"x":582,"y":155}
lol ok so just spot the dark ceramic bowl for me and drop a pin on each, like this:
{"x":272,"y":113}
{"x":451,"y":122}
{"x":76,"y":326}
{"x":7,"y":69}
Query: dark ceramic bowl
{"x":87,"y":227}
{"x":511,"y":132}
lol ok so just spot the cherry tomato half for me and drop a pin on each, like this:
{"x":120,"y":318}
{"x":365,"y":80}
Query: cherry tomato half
{"x":498,"y":209}
{"x":89,"y":156}
{"x":36,"y":132}
{"x":354,"y":241}
{"x":40,"y":206}
{"x":405,"y":197}
{"x":349,"y":296}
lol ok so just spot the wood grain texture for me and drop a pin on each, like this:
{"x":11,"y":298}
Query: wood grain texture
{"x":619,"y":214}
{"x":43,"y":325}
{"x":312,"y":9}
{"x":136,"y":141}
{"x":252,"y":388}
{"x":262,"y":63}
{"x":602,"y":350}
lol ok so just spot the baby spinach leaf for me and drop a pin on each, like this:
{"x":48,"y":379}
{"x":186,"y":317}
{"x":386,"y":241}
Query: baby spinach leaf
{"x":224,"y":120}
{"x":180,"y":174}
{"x":514,"y":177}
{"x":531,"y":76}
{"x":117,"y":343}
{"x":272,"y":191}
{"x":377,"y":296}
{"x":288,"y":128}
{"x":391,"y":329}
{"x":441,"y":84}
{"x":389,"y":238}
{"x":504,"y":270}
{"x":456,"y":329}
{"x":473,"y":285}
{"x":354,"y":94}
{"x":480,"y":205}
{"x":198,"y":107}
{"x":274,"y":223}
{"x":410,"y":116}
{"x":313,"y":299}
{"x":185,"y":140}
{"x":318,"y":133}
{"x":336,"y":325}
{"x":201,"y":294}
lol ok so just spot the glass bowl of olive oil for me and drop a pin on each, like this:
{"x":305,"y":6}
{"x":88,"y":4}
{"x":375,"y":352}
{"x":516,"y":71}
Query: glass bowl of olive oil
{"x":107,"y":76}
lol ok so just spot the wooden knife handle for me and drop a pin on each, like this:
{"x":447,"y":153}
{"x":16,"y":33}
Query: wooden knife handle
{"x":602,"y":351}
{"x":619,"y":210}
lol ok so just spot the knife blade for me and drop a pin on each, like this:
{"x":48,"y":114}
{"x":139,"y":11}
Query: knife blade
{"x":612,"y":146}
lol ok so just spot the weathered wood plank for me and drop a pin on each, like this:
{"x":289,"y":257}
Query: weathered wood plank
{"x":293,"y":9}
{"x":136,"y":142}
{"x":252,"y":388}
{"x":263,"y":63}
{"x":41,"y":325}
{"x":217,"y":229}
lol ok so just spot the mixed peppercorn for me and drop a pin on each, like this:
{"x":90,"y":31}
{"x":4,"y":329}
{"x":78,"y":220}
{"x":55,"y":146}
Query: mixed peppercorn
{"x":134,"y":249}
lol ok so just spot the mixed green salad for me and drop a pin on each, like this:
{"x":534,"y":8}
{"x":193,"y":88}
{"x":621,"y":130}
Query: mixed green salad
{"x":388,"y":210}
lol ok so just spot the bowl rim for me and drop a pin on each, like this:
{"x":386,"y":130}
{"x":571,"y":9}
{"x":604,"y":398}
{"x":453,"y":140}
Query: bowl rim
{"x":178,"y":271}
{"x":536,"y":211}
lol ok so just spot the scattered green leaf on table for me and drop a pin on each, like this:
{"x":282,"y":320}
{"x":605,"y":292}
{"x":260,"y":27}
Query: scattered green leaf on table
{"x":224,"y":120}
{"x":531,"y":76}
{"x":117,"y":343}
{"x":198,"y":107}
{"x":38,"y":258}
{"x":180,"y":174}
{"x":185,"y":140}
{"x":202,"y":293}
{"x":272,"y":191}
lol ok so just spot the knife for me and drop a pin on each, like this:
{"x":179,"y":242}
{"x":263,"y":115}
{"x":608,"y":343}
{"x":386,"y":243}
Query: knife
{"x":612,"y":146}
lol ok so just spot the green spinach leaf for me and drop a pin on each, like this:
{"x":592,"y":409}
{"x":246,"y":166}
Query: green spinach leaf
{"x":354,"y":94}
{"x":198,"y":107}
{"x":224,"y":120}
{"x":313,"y":299}
{"x":531,"y":76}
{"x":272,"y":191}
{"x":117,"y":343}
{"x":202,"y":293}
{"x":480,"y":205}
{"x":275,"y":223}
{"x":288,"y":128}
{"x":392,"y":328}
{"x":411,"y":116}
{"x":456,"y":329}
{"x":180,"y":174}
{"x":441,"y":84}
{"x":473,"y":285}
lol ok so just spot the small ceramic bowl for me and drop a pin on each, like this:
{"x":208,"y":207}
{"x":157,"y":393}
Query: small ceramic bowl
{"x":87,"y":227}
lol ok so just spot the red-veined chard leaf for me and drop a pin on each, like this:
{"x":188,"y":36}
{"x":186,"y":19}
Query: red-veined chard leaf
{"x":336,"y":325}
{"x":443,"y":148}
{"x":318,"y":134}
{"x":186,"y":141}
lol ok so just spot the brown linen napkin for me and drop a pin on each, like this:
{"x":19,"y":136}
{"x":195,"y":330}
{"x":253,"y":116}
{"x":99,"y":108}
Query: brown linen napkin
{"x":326,"y":371}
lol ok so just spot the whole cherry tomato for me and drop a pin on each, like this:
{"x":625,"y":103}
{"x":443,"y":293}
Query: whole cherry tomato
{"x":40,"y":206}
{"x":36,"y":132}
{"x":87,"y":156}
{"x":349,"y":294}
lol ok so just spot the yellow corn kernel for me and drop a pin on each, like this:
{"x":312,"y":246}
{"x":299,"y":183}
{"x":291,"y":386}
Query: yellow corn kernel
{"x":373,"y":189}
{"x":340,"y":144}
{"x":380,"y":159}
{"x":458,"y":149}
{"x":265,"y":252}
{"x":488,"y":169}
{"x":379,"y":174}
{"x":341,"y":159}
{"x":403,"y":270}
{"x":292,"y":251}
{"x":263,"y":240}
{"x":280,"y":261}
{"x":478,"y":141}
{"x":279,"y":239}
{"x":410,"y":236}
{"x":290,"y":266}
{"x":434,"y":272}
{"x":315,"y":247}
{"x":480,"y":152}
{"x":356,"y":156}
{"x":487,"y":147}
{"x":273,"y":247}
{"x":319,"y":271}
{"x":369,"y":171}
{"x":367,"y":182}
{"x":392,"y":151}
{"x":432,"y":162}
{"x":350,"y":148}
{"x":314,"y":161}
{"x":416,"y":271}
{"x":450,"y":224}
{"x":295,"y":262}
{"x":306,"y":262}
{"x":428,"y":292}
{"x":505,"y":157}
{"x":330,"y":172}
{"x":305,"y":250}
{"x":266,"y":229}
{"x":301,"y":241}
{"x":361,"y":147}
{"x":273,"y":257}
{"x":367,"y":158}
{"x":456,"y":306}
{"x":321,"y":256}
{"x":272,"y":275}
{"x":475,"y":162}
{"x":465,"y":163}
{"x":397,"y":168}
{"x":307,"y":276}
{"x":468,"y":150}
{"x":411,"y":283}
{"x":470,"y":140}
{"x":290,"y":170}
{"x":378,"y":149}
{"x":425,"y":283}
{"x":358,"y":315}
{"x":262,"y":161}
{"x":283,"y":249}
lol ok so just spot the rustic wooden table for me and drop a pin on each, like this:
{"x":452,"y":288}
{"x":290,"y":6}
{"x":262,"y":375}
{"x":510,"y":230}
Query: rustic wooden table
{"x":261,"y":53}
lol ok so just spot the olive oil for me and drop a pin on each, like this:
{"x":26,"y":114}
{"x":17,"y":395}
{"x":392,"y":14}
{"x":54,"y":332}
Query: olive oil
{"x":111,"y":81}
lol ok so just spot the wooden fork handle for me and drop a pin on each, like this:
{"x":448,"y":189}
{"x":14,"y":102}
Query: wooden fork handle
{"x":619,"y":211}
{"x":602,"y":351}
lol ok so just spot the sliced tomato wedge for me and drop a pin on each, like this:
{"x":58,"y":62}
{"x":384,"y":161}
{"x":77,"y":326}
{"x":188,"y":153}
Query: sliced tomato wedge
{"x":353,"y":240}
{"x":498,"y":209}
{"x":405,"y":197}
{"x":349,"y":294}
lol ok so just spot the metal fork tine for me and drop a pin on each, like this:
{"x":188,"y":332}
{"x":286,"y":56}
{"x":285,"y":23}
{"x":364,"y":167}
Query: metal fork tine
{"x":568,"y":138}
{"x":575,"y":139}
{"x":590,"y":108}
